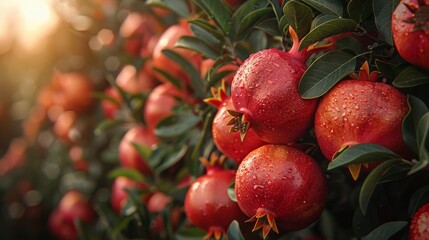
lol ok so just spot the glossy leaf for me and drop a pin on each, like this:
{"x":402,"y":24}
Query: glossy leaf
{"x":332,"y":7}
{"x":193,"y":73}
{"x":251,"y":20}
{"x":320,"y":19}
{"x":411,"y":77}
{"x":176,"y":125}
{"x":242,"y":12}
{"x":383,"y":18}
{"x":411,"y":121}
{"x":386,"y":230}
{"x":326,"y":29}
{"x":269,"y":26}
{"x":299,"y":17}
{"x":325,"y":72}
{"x":350,"y":43}
{"x":206,"y":27}
{"x":173,"y":158}
{"x":143,"y":150}
{"x":362,"y":153}
{"x":234,"y":232}
{"x":372,"y":181}
{"x":127,"y":172}
{"x":178,"y":6}
{"x":359,"y":9}
{"x":171,"y":79}
{"x":218,"y":11}
{"x":418,"y":198}
{"x":205,"y":35}
{"x":198,"y":45}
{"x":422,"y":137}
{"x":388,"y":69}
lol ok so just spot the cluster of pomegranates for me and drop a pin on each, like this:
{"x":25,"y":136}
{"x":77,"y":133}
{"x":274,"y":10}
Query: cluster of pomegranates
{"x":258,"y":129}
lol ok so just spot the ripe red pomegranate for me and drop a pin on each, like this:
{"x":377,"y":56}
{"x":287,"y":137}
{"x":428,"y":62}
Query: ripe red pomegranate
{"x":72,"y":206}
{"x":160,"y":103}
{"x":361,"y":111}
{"x":110,"y":109}
{"x":156,"y":204}
{"x":129,"y":157}
{"x":265,"y":94}
{"x":207,"y":204}
{"x":419,"y":226}
{"x":228,"y":143}
{"x":119,"y":195}
{"x":167,"y":41}
{"x":208,"y":63}
{"x":72,"y":91}
{"x":279,"y":186}
{"x":64,"y":125}
{"x":410,"y":28}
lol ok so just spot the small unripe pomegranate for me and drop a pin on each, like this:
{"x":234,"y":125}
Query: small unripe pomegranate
{"x":279,"y":186}
{"x":419,"y":226}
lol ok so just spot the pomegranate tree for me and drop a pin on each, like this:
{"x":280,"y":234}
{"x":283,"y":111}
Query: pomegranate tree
{"x":280,"y":187}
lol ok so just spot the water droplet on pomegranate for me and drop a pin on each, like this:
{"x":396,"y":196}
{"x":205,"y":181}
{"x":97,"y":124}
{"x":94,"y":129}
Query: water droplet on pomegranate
{"x":254,"y":177}
{"x":289,"y":170}
{"x":258,"y":186}
{"x":269,"y":182}
{"x":422,"y":50}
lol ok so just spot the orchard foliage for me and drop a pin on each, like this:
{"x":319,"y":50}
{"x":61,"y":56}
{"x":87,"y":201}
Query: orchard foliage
{"x":167,"y":100}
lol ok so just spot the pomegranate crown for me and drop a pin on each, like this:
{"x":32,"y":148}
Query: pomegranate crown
{"x":365,"y":74}
{"x":214,"y":163}
{"x":420,"y":17}
{"x":219,"y":95}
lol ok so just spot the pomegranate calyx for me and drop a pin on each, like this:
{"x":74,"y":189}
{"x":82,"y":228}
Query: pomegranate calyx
{"x":219,"y":95}
{"x":365,"y":74}
{"x":238,"y":123}
{"x":214,"y":163}
{"x":354,"y":170}
{"x":265,"y":220}
{"x":215,"y":233}
{"x":420,"y":18}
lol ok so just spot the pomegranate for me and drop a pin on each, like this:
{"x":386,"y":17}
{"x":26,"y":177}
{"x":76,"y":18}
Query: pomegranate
{"x":64,"y":125}
{"x":72,"y":206}
{"x":279,"y":186}
{"x":119,"y":195}
{"x":410,"y":29}
{"x":167,"y":41}
{"x":361,"y":111}
{"x":111,"y":108}
{"x":419,"y":226}
{"x":160,"y":103}
{"x":129,"y":157}
{"x":207,"y":204}
{"x":265,"y":94}
{"x":229,"y":143}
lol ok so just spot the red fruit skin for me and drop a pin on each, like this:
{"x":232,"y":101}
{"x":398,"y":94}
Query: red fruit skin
{"x":228,"y":143}
{"x":285,"y":182}
{"x":412,"y":44}
{"x":419,"y":226}
{"x":207,"y":204}
{"x":167,"y":41}
{"x":160,"y":103}
{"x":129,"y":157}
{"x":265,"y":89}
{"x":110,"y":109}
{"x":73,"y":206}
{"x":355,"y":112}
{"x":119,"y":195}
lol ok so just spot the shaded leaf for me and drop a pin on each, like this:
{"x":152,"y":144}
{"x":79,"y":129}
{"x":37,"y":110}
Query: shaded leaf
{"x":299,"y":17}
{"x":127,"y":172}
{"x":173,"y":80}
{"x":372,"y":181}
{"x":218,"y":11}
{"x":386,"y":230}
{"x":251,"y":20}
{"x":205,"y":35}
{"x":359,"y":9}
{"x":242,"y":12}
{"x":329,"y":7}
{"x":234,"y":232}
{"x":325,"y":72}
{"x":206,"y":27}
{"x":269,"y":26}
{"x":172,"y":158}
{"x":411,"y":121}
{"x":178,"y":6}
{"x":397,"y":172}
{"x":198,"y":45}
{"x":422,"y":137}
{"x":176,"y":124}
{"x":319,"y":19}
{"x":411,"y":77}
{"x":326,"y":29}
{"x":107,"y":124}
{"x":231,"y":191}
{"x":418,"y":198}
{"x":362,"y":153}
{"x":143,"y":150}
{"x":388,"y":69}
{"x":383,"y":18}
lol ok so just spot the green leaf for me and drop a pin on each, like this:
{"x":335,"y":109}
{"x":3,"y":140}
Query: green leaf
{"x":329,"y":7}
{"x":143,"y":150}
{"x":388,"y":69}
{"x":190,"y":234}
{"x":325,"y":72}
{"x":397,"y":172}
{"x":257,"y":40}
{"x":359,"y":9}
{"x":176,"y":125}
{"x":411,"y":121}
{"x":206,"y":36}
{"x":241,"y":13}
{"x":327,"y":29}
{"x":173,"y":80}
{"x":386,"y":230}
{"x":319,"y":19}
{"x":269,"y":26}
{"x":196,"y":82}
{"x":127,"y":172}
{"x":411,"y":77}
{"x":372,"y":181}
{"x":198,"y":45}
{"x":417,"y":200}
{"x":251,"y":20}
{"x":231,"y":191}
{"x":172,"y":158}
{"x":219,"y":12}
{"x":362,"y":153}
{"x":107,"y":124}
{"x":204,"y":25}
{"x":178,"y":6}
{"x":234,"y":232}
{"x":422,"y":137}
{"x":383,"y":18}
{"x":299,"y":17}
{"x":350,"y":43}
